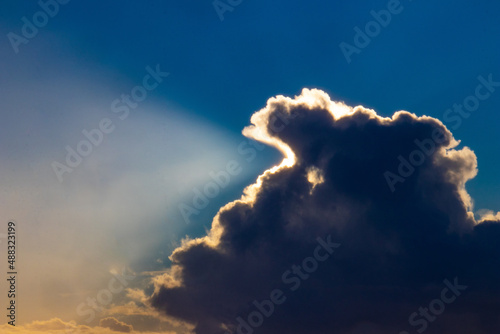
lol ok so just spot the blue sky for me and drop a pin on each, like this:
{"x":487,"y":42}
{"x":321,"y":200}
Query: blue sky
{"x":426,"y":59}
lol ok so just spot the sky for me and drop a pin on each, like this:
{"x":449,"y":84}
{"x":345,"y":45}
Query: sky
{"x":237,"y":166}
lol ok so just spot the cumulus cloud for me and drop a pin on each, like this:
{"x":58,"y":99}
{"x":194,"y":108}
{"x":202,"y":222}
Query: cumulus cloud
{"x":397,"y":247}
{"x":116,"y":325}
{"x":485,"y":215}
{"x":108,"y":325}
{"x":145,"y":318}
{"x":52,"y":324}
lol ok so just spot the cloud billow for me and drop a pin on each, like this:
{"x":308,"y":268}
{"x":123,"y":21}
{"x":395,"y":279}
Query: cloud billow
{"x":115,"y":325}
{"x":397,"y":247}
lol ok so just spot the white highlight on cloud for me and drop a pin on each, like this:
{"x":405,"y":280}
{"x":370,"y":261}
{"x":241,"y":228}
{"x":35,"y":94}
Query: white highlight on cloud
{"x":315,"y":177}
{"x":485,"y":214}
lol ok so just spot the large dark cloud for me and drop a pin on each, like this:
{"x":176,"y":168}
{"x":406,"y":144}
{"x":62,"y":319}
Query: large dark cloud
{"x":397,"y":247}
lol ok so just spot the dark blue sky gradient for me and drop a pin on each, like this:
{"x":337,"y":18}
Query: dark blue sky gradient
{"x":424,"y":61}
